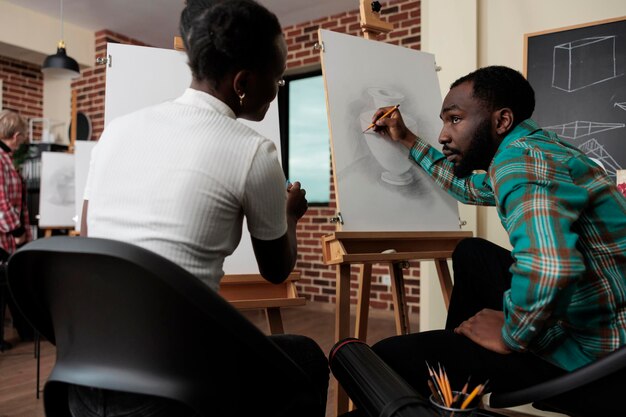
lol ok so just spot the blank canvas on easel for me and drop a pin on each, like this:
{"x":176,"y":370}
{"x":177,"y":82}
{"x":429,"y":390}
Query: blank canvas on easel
{"x":378,"y":188}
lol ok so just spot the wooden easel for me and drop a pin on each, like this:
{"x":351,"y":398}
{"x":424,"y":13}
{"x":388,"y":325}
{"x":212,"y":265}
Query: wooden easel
{"x":73,"y":132}
{"x":345,"y":249}
{"x":394,"y":249}
{"x":251,"y":292}
{"x":371,"y":23}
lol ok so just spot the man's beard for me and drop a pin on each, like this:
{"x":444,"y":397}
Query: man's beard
{"x":479,"y":153}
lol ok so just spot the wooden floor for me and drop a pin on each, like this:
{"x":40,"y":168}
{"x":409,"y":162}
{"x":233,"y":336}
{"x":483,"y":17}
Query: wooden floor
{"x":18,"y":366}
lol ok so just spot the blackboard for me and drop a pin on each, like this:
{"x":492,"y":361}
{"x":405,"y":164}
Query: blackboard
{"x":578,"y":74}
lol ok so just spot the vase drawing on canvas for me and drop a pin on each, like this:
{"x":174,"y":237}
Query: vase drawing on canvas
{"x":392,"y":156}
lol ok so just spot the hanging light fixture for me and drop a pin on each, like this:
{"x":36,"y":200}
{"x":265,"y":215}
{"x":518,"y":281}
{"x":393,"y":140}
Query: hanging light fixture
{"x":60,"y":65}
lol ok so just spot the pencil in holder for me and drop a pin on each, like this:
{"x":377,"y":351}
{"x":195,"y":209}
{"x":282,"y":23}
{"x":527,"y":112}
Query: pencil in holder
{"x":444,"y":411}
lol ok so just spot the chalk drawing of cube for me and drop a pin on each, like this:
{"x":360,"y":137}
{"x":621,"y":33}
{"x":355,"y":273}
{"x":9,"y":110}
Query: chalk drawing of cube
{"x":583,"y":62}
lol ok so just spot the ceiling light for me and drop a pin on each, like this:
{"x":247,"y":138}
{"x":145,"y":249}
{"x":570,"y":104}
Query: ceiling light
{"x":60,"y":65}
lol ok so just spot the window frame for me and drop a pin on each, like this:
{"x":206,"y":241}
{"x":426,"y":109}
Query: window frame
{"x":283,"y":120}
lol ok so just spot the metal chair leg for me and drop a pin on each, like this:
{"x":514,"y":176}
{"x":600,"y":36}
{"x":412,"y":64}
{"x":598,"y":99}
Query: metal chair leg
{"x":38,"y":356}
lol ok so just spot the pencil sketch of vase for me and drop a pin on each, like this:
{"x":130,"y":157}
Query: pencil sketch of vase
{"x":392,"y":156}
{"x":61,"y":186}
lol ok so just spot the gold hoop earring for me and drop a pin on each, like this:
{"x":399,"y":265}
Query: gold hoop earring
{"x":241,"y":97}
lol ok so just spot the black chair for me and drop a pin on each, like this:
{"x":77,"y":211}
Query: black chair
{"x":126,"y":319}
{"x":591,"y":391}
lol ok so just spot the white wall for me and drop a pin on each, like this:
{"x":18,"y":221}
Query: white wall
{"x":450,"y":31}
{"x":443,"y":23}
{"x":31,"y":36}
{"x":57,"y":105}
{"x":451,"y":58}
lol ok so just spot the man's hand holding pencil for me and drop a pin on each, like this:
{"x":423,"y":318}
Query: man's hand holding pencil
{"x":388,"y":122}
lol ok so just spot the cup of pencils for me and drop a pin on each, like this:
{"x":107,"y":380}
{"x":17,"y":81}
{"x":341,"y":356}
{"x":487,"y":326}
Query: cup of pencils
{"x":450,"y":403}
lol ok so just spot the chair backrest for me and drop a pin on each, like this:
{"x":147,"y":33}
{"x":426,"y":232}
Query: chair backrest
{"x":593,"y":390}
{"x":126,"y":319}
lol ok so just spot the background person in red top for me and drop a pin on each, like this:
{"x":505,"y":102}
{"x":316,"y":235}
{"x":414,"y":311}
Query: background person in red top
{"x":14,"y":227}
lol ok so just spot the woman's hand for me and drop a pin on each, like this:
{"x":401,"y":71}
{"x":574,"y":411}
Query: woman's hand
{"x":297,"y":204}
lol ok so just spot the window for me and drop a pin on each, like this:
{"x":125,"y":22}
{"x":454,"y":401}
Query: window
{"x":304,"y":134}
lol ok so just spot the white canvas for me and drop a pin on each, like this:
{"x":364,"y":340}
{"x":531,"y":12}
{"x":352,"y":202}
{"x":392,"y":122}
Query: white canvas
{"x":82,"y":155}
{"x":141,"y":76}
{"x":56,"y":198}
{"x":378,"y":188}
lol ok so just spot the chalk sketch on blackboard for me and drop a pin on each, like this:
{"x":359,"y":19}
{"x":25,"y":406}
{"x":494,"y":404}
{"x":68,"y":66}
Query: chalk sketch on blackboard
{"x":596,"y":55}
{"x":579,"y":129}
{"x":596,"y":151}
{"x":576,"y":64}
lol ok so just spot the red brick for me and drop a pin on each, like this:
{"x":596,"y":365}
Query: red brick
{"x":305,"y":52}
{"x":312,"y":60}
{"x":293,"y":33}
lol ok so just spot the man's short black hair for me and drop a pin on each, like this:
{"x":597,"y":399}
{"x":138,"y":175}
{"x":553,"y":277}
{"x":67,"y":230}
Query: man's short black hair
{"x":225,"y":35}
{"x":498,"y":87}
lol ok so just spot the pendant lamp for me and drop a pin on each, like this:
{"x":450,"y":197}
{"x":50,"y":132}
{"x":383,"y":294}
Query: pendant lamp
{"x":60,"y":65}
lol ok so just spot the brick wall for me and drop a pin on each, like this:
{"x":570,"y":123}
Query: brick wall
{"x":318,"y":281}
{"x":22,"y":87}
{"x":404,"y":14}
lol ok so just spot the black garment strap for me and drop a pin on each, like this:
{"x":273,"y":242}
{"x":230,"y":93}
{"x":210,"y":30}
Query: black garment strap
{"x":4,"y":147}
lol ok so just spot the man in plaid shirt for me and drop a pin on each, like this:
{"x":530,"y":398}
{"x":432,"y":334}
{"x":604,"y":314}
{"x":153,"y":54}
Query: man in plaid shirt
{"x":14,"y":224}
{"x":557,"y":301}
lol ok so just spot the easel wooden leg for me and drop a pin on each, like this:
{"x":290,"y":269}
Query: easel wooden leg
{"x":363,"y":302}
{"x":274,"y":320}
{"x":342,"y":312}
{"x":399,"y":299}
{"x":342,"y":326}
{"x":444,"y":280}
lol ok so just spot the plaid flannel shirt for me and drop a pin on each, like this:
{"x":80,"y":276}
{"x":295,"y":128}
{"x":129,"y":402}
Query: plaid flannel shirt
{"x":13,"y":208}
{"x":566,"y":222}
